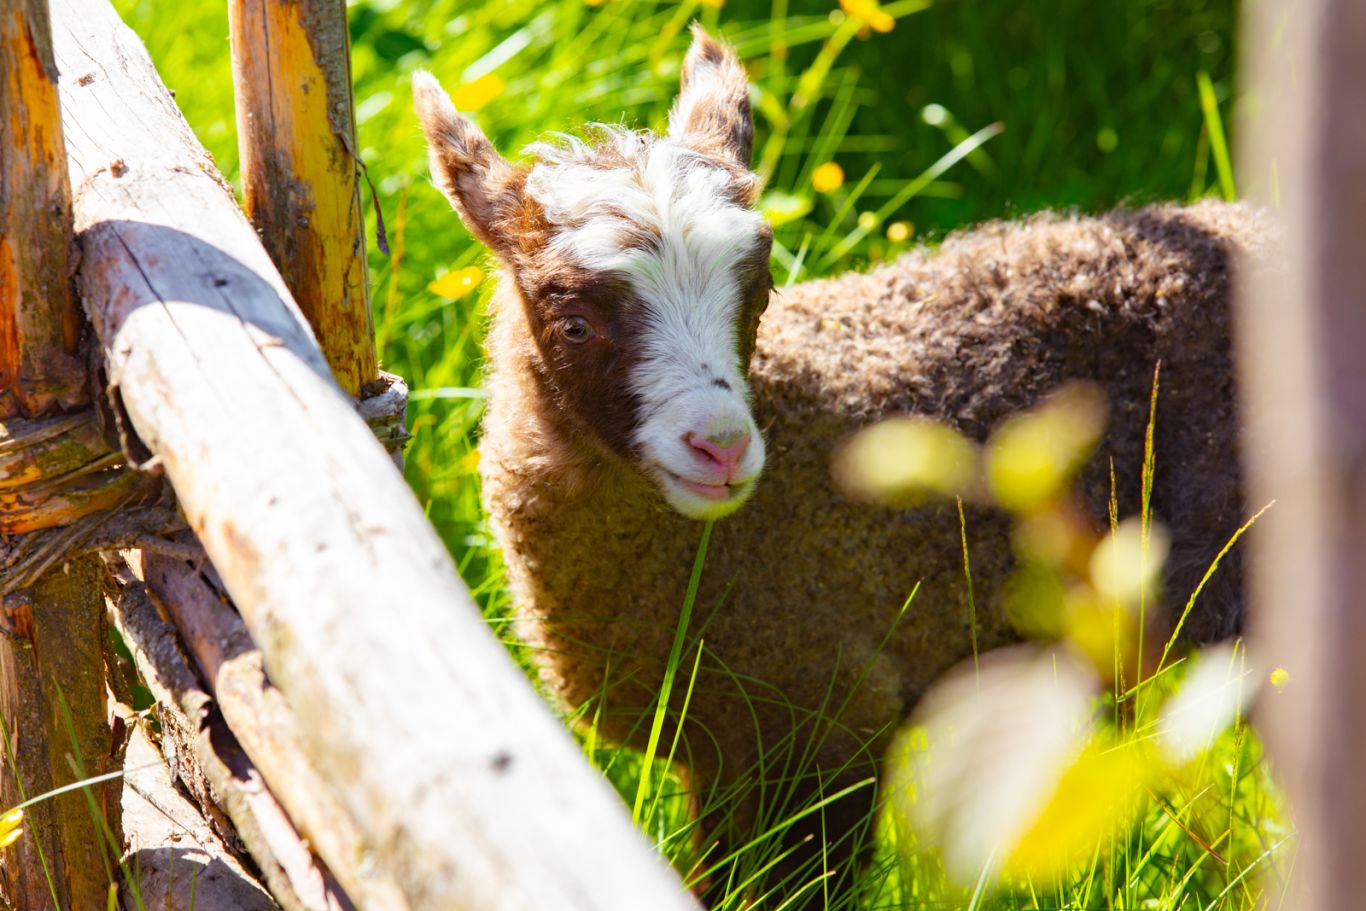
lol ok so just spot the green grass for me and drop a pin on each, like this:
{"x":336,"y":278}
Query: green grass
{"x":967,"y":110}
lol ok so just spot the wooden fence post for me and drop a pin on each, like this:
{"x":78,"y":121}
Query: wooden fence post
{"x":52,"y":695}
{"x":463,"y":788}
{"x":291,"y":63}
{"x":1303,"y":364}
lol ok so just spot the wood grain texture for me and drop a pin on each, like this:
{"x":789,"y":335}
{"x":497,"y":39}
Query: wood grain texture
{"x":465,"y":788}
{"x":296,"y":132}
{"x":1302,"y":335}
{"x":194,"y":732}
{"x":39,"y":320}
{"x":51,"y":633}
{"x":261,"y":720}
{"x":52,"y":703}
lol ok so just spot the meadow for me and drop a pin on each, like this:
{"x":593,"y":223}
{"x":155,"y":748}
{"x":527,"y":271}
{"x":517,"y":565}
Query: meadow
{"x":877,"y":128}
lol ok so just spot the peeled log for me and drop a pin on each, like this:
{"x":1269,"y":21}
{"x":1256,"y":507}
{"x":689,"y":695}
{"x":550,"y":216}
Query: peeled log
{"x":465,"y":788}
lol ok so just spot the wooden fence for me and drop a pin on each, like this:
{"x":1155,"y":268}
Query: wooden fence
{"x":348,"y":715}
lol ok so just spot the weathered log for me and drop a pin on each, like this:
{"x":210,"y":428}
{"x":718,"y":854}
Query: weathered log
{"x":464,"y":787}
{"x":52,"y":707}
{"x":179,"y":861}
{"x":190,"y":720}
{"x":263,"y":723}
{"x":1303,"y":359}
{"x":291,"y":64}
{"x":51,"y":669}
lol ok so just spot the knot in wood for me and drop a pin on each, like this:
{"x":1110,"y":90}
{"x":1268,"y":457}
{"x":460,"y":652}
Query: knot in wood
{"x":384,"y":406}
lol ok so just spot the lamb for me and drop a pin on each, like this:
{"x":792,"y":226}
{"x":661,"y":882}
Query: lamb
{"x":634,"y":390}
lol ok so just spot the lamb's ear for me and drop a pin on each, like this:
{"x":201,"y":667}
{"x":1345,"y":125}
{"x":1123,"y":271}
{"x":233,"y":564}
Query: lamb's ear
{"x":712,"y":112}
{"x":484,"y":188}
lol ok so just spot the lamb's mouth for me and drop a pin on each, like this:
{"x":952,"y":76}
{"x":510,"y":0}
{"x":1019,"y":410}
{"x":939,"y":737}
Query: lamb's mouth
{"x":702,"y":501}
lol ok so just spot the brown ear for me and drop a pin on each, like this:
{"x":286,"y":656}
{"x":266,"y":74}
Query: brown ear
{"x":712,"y":112}
{"x":483,"y":187}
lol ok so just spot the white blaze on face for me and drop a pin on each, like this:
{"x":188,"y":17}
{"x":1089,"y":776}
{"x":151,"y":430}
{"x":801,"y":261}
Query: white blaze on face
{"x":688,"y":378}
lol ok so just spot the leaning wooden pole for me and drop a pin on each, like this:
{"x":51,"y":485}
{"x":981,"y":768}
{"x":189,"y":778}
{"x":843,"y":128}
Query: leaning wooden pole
{"x":291,"y":62}
{"x":1303,"y":365}
{"x":52,"y":697}
{"x":462,"y":786}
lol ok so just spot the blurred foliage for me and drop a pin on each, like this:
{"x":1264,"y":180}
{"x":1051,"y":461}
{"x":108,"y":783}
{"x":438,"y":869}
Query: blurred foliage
{"x":1027,"y":763}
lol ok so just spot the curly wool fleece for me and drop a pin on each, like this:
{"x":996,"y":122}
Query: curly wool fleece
{"x":798,"y":604}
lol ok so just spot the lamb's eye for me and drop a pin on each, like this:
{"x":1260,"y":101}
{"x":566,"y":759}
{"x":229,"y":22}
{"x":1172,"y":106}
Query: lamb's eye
{"x":577,"y":330}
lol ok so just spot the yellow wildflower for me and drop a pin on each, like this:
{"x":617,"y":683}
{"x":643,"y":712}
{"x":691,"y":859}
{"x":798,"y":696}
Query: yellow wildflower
{"x":827,"y":178}
{"x":458,"y":283}
{"x":1279,"y":678}
{"x":10,"y":829}
{"x":474,"y":95}
{"x":899,"y":231}
{"x":869,"y":13}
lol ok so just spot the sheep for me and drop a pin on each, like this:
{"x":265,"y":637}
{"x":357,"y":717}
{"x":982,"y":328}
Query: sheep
{"x":634,"y":391}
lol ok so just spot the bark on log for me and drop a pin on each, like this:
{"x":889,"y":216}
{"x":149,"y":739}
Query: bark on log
{"x":51,"y":664}
{"x":291,"y":63}
{"x":192,"y":725}
{"x":179,"y":861}
{"x":464,"y":787}
{"x":39,"y":320}
{"x":51,"y":633}
{"x":1303,"y":360}
{"x":264,"y":725}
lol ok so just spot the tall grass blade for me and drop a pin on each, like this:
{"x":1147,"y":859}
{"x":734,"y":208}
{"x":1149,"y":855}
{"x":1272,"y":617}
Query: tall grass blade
{"x":670,"y":670}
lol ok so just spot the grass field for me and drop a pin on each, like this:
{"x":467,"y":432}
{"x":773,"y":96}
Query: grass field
{"x":965,"y":110}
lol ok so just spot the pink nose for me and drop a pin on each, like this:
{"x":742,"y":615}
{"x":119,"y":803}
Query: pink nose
{"x":721,"y":451}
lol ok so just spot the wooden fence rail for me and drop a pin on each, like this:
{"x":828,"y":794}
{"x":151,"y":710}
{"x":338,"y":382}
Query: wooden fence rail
{"x":461,"y":785}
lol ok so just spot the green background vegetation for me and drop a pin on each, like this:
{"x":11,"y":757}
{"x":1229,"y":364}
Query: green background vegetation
{"x":1100,"y":103}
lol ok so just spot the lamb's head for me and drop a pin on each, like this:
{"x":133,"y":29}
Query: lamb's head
{"x":642,"y":270}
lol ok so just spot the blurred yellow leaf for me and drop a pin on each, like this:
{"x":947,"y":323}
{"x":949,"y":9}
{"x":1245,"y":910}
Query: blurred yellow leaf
{"x":869,"y":13}
{"x":827,"y":178}
{"x":474,"y":95}
{"x":986,"y":748}
{"x":1055,"y":537}
{"x":458,"y":283}
{"x":902,"y":458}
{"x":1210,"y":699}
{"x":1033,"y":599}
{"x":11,"y":827}
{"x":780,"y":208}
{"x":1102,"y":630}
{"x":1099,"y":791}
{"x":1032,"y":456}
{"x":1124,"y":567}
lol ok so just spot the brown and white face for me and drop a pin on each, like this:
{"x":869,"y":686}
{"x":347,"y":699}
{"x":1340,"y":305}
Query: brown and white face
{"x":643,"y":271}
